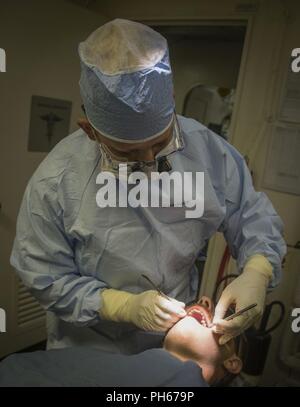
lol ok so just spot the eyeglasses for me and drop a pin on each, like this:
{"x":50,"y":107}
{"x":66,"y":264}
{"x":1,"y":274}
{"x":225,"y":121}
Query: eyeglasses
{"x":176,"y":143}
{"x":161,"y":158}
{"x":161,"y":162}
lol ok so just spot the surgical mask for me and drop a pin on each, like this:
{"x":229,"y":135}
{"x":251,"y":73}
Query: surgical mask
{"x":110,"y":162}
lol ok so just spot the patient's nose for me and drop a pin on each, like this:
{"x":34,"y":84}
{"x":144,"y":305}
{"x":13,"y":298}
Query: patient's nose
{"x":206,"y":302}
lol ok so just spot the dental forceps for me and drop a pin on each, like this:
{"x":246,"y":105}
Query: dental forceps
{"x":155,"y":287}
{"x":236,"y":314}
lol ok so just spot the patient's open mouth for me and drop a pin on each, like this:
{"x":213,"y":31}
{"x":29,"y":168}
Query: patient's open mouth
{"x":199,"y":314}
{"x":202,"y":312}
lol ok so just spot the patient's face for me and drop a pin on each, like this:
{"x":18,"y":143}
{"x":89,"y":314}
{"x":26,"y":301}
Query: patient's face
{"x":191,"y":339}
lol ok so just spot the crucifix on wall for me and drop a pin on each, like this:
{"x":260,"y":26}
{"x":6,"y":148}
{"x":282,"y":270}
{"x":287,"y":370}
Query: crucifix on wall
{"x":49,"y":122}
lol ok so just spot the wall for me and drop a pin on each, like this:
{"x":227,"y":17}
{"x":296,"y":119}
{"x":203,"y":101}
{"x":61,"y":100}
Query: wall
{"x":201,"y":62}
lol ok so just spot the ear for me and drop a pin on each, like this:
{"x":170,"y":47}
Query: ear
{"x":87,"y":128}
{"x":233,"y":364}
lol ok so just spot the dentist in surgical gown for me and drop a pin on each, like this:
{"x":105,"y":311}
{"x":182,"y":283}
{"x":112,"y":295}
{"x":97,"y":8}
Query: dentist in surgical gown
{"x":84,"y":263}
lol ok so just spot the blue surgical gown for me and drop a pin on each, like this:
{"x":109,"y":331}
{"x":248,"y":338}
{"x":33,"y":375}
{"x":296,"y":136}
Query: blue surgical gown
{"x":88,"y":367}
{"x":67,"y":249}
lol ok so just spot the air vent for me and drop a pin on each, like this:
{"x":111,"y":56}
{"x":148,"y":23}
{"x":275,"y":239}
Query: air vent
{"x":29,"y":310}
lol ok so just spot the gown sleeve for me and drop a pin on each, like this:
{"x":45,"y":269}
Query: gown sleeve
{"x":43,"y":257}
{"x":251,"y":225}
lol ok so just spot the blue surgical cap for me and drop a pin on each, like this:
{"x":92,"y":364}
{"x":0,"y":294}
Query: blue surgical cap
{"x":126,"y":81}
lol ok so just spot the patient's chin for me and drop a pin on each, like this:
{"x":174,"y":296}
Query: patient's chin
{"x":190,"y":339}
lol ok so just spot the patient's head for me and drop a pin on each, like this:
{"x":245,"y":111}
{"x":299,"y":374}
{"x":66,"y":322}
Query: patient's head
{"x":191,"y":339}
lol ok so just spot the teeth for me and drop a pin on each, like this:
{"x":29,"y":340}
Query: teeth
{"x":202,"y":317}
{"x":202,"y":321}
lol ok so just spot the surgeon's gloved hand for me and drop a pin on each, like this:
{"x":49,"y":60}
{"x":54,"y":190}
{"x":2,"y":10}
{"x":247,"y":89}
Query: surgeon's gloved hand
{"x":249,"y":288}
{"x":148,"y":310}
